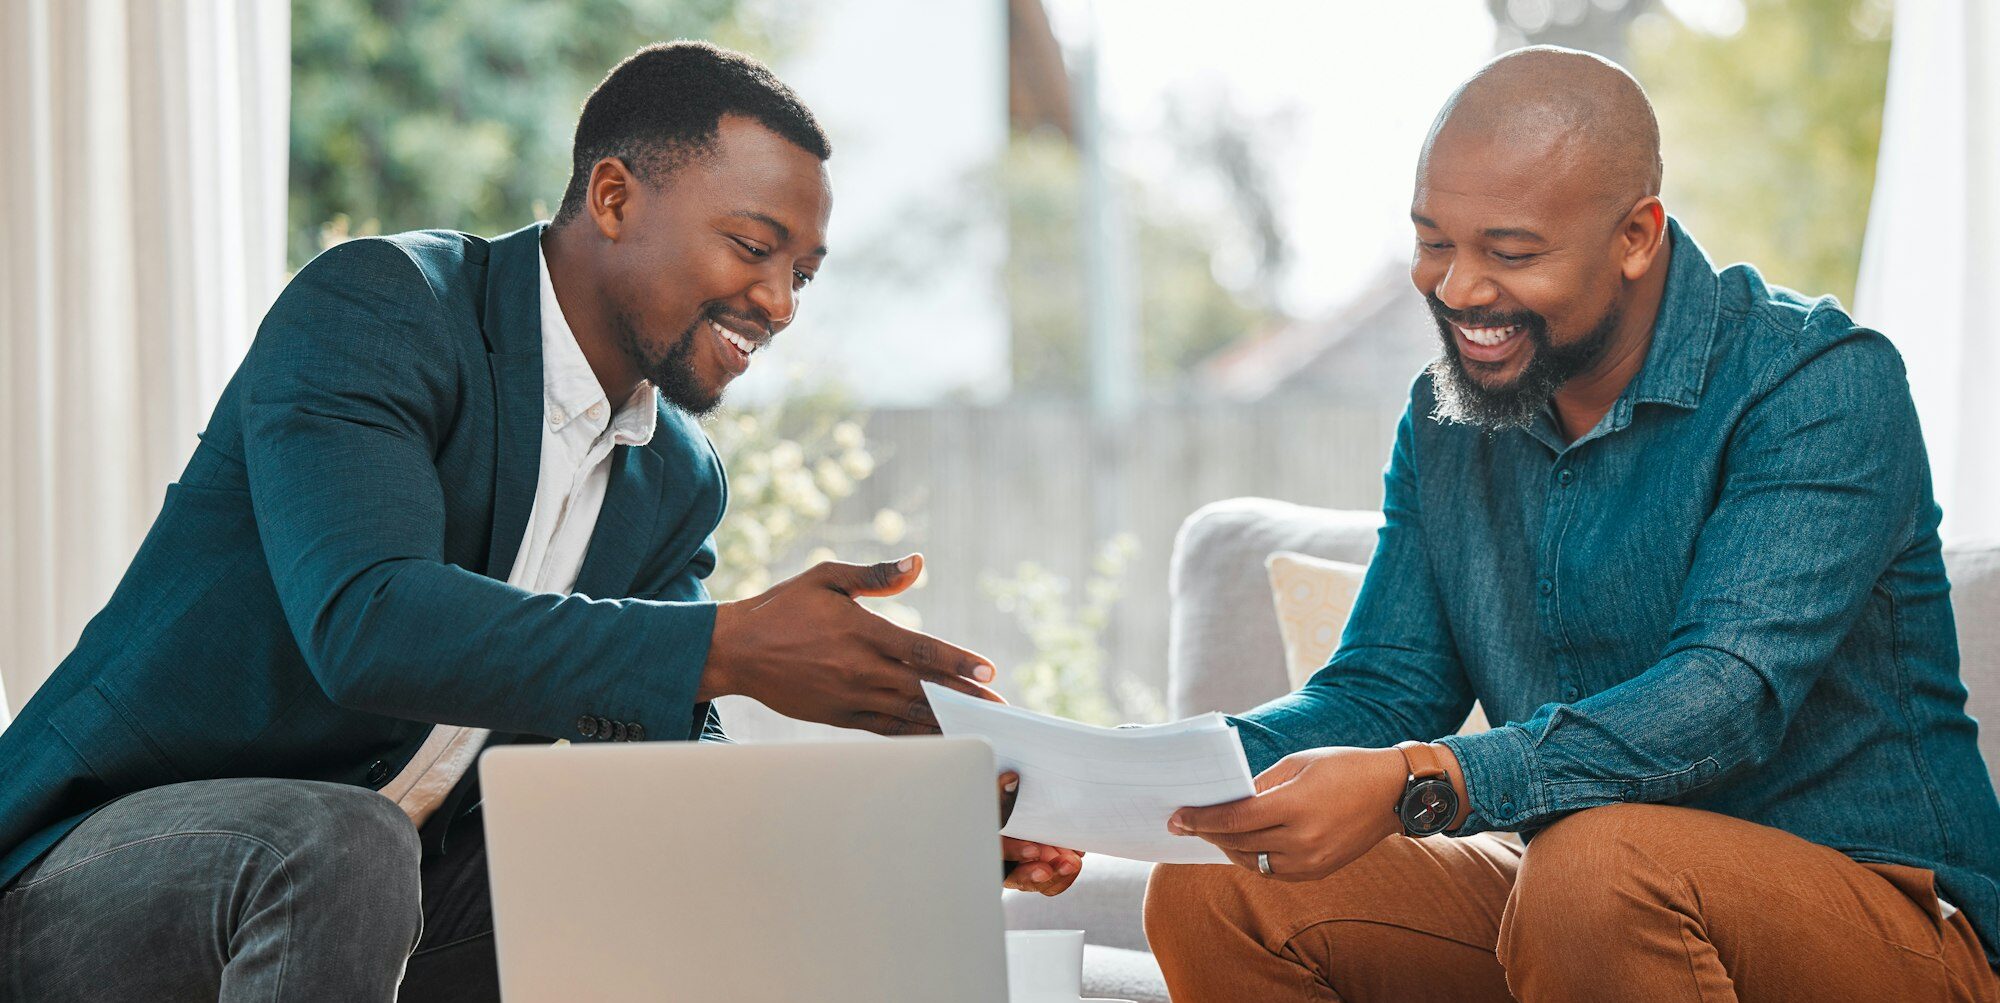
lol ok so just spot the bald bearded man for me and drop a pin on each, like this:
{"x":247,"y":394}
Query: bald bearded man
{"x":1674,"y":525}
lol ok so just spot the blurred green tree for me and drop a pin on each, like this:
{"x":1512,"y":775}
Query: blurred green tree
{"x":1770,"y":132}
{"x":409,"y":114}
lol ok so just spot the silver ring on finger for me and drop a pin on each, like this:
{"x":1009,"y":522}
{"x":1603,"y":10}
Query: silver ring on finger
{"x":1264,"y":864}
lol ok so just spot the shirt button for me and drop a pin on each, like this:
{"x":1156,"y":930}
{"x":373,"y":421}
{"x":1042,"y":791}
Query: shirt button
{"x":1546,"y":586}
{"x":1571,"y":693}
{"x":1630,"y":793}
{"x":555,"y":417}
{"x":1565,"y":477}
{"x":586,"y":726}
{"x":1506,"y":808}
{"x":596,"y":411}
{"x":378,"y":771}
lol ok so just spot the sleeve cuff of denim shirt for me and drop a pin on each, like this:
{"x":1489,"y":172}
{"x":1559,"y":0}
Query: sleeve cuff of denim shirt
{"x":1501,"y":780}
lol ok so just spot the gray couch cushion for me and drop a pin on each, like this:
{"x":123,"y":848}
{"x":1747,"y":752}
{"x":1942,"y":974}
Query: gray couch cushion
{"x":1116,"y":973}
{"x":1223,"y":648}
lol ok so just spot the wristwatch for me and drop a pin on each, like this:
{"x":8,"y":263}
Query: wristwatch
{"x":1429,"y":803}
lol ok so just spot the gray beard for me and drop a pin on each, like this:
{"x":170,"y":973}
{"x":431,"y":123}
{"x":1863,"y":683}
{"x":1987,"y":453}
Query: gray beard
{"x":1462,"y":399}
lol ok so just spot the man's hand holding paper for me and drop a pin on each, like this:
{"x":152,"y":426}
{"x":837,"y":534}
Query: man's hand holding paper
{"x":1105,"y":790}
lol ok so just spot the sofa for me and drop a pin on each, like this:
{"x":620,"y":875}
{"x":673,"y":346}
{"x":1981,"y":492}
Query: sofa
{"x":1224,"y":653}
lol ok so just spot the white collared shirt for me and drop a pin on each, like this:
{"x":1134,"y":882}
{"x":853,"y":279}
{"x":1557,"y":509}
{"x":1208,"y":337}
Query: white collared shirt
{"x":579,"y":431}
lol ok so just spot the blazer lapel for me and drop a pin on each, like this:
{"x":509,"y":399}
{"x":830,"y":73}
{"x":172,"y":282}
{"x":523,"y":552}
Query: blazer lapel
{"x":624,"y":533}
{"x":513,"y":328}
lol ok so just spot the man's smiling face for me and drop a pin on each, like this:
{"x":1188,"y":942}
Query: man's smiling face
{"x":1518,"y":263}
{"x":718,"y":254}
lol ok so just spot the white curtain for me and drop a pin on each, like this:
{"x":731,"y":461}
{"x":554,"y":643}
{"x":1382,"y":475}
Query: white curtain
{"x":1930,"y":268}
{"x":142,"y":235}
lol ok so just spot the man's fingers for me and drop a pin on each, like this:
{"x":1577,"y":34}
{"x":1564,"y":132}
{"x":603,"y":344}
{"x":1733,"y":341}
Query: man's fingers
{"x":885,"y":579}
{"x":922,"y":651}
{"x":1010,"y":788}
{"x":905,"y":706}
{"x":1247,"y":861}
{"x":903,"y":678}
{"x":902,"y":684}
{"x":1280,"y":772}
{"x":1247,"y":815}
{"x":891,"y":725}
{"x":1250,"y":842}
{"x":1283,"y":867}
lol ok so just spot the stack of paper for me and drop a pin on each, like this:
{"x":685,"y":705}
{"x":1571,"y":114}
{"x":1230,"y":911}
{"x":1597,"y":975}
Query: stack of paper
{"x":1105,"y":790}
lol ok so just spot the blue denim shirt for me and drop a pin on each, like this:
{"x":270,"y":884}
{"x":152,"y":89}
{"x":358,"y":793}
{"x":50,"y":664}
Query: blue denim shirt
{"x":1727,"y":595}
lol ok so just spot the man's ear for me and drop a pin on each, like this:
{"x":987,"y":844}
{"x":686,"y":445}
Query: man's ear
{"x":1640,"y":237}
{"x":611,"y":187}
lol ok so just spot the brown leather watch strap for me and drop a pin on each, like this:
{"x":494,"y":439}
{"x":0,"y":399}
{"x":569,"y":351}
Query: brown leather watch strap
{"x":1421,"y":760}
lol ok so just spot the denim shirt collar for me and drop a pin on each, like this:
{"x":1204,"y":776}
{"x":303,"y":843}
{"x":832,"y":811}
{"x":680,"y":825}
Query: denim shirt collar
{"x":1683,"y":334}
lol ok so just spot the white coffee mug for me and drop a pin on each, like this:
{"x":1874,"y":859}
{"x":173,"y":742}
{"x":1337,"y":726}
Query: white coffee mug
{"x":1044,"y":966}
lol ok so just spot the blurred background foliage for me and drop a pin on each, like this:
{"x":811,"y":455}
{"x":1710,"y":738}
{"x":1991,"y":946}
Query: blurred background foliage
{"x":413,"y":114}
{"x":1771,"y":132}
{"x":1068,"y":674}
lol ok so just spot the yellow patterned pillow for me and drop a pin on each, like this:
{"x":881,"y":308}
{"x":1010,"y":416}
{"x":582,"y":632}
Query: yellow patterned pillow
{"x":1314,"y":596}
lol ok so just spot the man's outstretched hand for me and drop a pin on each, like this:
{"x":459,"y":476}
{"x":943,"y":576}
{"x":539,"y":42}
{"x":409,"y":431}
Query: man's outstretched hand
{"x":806,"y":649}
{"x":1034,"y":867}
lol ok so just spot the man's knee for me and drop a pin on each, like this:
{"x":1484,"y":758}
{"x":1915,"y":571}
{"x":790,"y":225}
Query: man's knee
{"x":312,"y":816}
{"x":345,"y":847}
{"x":1583,"y":878}
{"x":1183,"y":900}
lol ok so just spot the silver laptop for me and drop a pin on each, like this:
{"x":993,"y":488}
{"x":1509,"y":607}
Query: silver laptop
{"x":847,"y":872}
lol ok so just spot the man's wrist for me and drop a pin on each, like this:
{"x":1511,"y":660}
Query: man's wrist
{"x":1456,"y":775}
{"x":1393,"y":762}
{"x":718,"y":674}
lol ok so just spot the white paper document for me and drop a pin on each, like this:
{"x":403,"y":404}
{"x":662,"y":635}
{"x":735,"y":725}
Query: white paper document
{"x":1105,"y":790}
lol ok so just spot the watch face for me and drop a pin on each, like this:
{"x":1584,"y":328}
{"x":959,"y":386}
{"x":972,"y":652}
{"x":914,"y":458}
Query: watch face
{"x":1428,"y":807}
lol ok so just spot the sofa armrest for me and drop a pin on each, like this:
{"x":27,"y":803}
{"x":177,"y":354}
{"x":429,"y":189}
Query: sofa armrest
{"x":1107,"y":903}
{"x":1223,"y":648}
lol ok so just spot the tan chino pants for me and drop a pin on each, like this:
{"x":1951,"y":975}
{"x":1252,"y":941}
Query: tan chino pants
{"x":1623,"y":902}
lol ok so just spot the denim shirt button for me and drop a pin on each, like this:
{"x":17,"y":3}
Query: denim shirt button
{"x":1565,"y":477}
{"x":1629,"y":792}
{"x":1546,"y":586}
{"x":1506,"y":808}
{"x":1571,"y":693}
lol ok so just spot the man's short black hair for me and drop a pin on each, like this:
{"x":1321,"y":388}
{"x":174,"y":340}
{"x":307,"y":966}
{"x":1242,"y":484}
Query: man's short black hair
{"x":662,"y":105}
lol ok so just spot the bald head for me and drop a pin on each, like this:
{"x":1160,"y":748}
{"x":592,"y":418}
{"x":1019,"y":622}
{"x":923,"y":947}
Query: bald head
{"x":1582,"y":117}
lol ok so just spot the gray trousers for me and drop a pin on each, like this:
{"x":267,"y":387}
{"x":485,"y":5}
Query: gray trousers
{"x":250,"y":889}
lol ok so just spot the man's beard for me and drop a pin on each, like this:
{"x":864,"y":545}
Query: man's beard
{"x":1463,"y":399}
{"x":671,"y":372}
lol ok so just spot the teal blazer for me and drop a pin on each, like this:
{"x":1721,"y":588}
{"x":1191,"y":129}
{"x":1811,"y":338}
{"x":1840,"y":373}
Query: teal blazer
{"x":327,"y":579}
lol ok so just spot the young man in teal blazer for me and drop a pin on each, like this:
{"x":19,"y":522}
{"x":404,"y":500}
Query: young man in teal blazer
{"x":455,"y":496}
